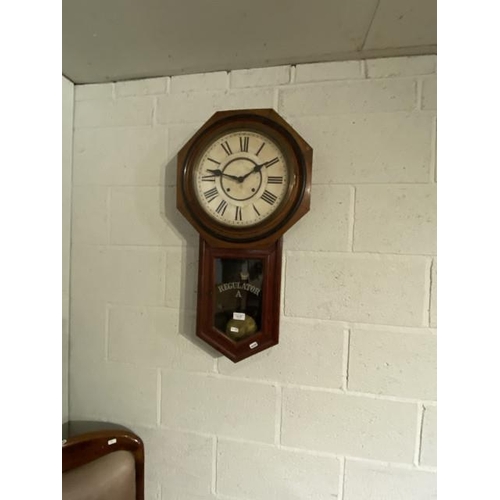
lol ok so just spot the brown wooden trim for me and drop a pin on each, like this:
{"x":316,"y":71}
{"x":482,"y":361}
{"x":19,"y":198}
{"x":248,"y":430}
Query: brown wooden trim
{"x":262,"y":240}
{"x":85,"y":441}
{"x":268,"y":335}
{"x":296,"y":203}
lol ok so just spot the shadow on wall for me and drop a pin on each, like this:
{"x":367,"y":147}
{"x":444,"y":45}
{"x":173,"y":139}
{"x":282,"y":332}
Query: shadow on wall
{"x":185,"y":270}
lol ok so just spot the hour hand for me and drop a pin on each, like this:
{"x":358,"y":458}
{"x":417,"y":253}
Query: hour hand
{"x":220,"y":173}
{"x":217,"y":173}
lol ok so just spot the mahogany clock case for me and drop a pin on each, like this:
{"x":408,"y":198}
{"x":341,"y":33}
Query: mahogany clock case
{"x":239,"y":269}
{"x":296,"y":151}
{"x":207,"y":327}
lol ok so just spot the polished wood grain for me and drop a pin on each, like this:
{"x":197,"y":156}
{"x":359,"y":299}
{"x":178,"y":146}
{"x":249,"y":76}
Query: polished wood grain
{"x":296,"y":204}
{"x":262,"y":240}
{"x":85,"y":441}
{"x":268,"y":335}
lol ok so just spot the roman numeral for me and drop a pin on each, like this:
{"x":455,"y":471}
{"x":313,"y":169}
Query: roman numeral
{"x":222,"y":207}
{"x":269,"y":197}
{"x":270,"y":163}
{"x":225,"y":146}
{"x":214,"y":161}
{"x":256,"y":211}
{"x":244,"y":144}
{"x":260,"y":149}
{"x":237,"y":215}
{"x":274,"y":179}
{"x":211,"y":194}
{"x":208,"y":178}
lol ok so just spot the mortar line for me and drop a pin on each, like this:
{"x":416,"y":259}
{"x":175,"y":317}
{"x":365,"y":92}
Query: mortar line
{"x":284,"y":265}
{"x":352,"y":458}
{"x":418,"y":439}
{"x":343,"y":253}
{"x":278,"y":416}
{"x":341,"y":478}
{"x":215,"y":443}
{"x":154,"y":112}
{"x":306,"y":451}
{"x":276,"y":99}
{"x":346,"y":345}
{"x":311,"y":388}
{"x":429,"y":298}
{"x":376,"y":327}
{"x":358,"y":394}
{"x":396,"y":465}
{"x":186,"y":431}
{"x":364,"y":69}
{"x":177,"y":123}
{"x":426,"y":300}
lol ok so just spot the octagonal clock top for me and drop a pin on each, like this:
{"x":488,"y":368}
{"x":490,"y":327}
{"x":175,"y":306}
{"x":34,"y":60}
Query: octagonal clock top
{"x":244,"y":177}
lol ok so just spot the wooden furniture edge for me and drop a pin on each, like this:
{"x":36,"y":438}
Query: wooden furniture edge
{"x":83,"y":448}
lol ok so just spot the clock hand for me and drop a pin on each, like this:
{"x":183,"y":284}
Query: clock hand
{"x":220,"y":173}
{"x":255,"y":169}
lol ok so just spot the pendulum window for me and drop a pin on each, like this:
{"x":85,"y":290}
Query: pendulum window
{"x":238,"y":297}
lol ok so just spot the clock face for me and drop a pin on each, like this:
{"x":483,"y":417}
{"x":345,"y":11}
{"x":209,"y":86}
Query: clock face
{"x":242,"y":178}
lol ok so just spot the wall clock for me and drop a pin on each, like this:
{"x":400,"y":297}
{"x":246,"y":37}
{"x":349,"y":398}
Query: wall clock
{"x":242,"y":181}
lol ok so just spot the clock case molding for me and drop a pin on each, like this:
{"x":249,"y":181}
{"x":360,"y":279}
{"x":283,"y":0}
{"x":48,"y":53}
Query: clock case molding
{"x":261,"y":241}
{"x":298,"y":155}
{"x":268,"y":334}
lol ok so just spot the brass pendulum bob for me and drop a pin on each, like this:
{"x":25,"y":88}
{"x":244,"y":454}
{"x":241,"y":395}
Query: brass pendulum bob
{"x":238,"y":329}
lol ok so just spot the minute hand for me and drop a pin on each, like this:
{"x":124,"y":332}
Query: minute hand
{"x":257,"y":168}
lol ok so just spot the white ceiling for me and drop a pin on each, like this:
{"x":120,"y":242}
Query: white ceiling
{"x":110,"y":40}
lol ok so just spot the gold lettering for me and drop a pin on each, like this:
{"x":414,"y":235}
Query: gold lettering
{"x":236,"y":285}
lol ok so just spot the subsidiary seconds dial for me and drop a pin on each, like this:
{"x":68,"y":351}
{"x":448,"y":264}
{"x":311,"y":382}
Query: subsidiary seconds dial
{"x":241,"y":178}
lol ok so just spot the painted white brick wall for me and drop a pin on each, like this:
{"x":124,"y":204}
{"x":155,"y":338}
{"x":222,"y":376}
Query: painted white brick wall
{"x":344,"y":424}
{"x":345,"y":406}
{"x":261,"y":472}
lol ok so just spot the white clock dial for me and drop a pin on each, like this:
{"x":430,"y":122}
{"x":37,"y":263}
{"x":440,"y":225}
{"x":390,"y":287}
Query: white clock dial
{"x":241,"y":179}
